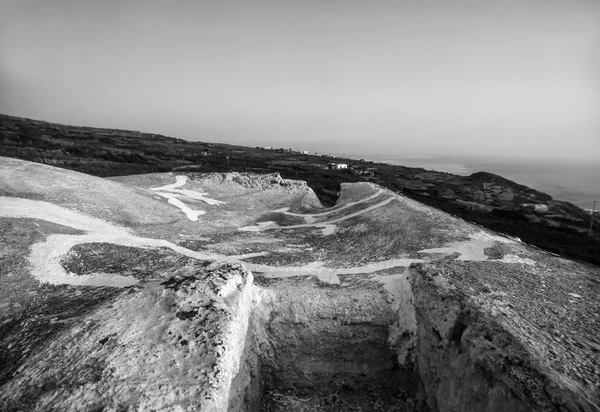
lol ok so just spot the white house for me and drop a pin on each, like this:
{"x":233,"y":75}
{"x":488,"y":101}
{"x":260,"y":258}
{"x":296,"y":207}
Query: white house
{"x":536,"y":207}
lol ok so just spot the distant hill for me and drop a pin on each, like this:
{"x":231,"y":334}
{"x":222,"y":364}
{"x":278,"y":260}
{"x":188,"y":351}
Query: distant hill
{"x":96,"y":151}
{"x":486,"y":177}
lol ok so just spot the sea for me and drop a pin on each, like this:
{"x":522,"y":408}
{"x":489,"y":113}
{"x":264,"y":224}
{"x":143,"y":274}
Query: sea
{"x":577,"y":182}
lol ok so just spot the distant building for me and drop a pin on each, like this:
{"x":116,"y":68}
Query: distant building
{"x":337,"y":166}
{"x":318,"y":165}
{"x":366,"y":173}
{"x":596,"y":212}
{"x":534,"y":206}
{"x":304,"y":152}
{"x":369,"y":173}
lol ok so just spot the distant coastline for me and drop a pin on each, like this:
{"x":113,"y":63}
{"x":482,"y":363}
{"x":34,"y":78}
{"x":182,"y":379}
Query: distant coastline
{"x":575,"y":182}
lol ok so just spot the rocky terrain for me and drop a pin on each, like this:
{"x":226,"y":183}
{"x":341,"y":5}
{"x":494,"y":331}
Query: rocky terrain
{"x":483,"y":198}
{"x":185,"y":291}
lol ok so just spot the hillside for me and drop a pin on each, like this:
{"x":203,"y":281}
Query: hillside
{"x":241,"y":292}
{"x":525,"y":193}
{"x":483,"y":198}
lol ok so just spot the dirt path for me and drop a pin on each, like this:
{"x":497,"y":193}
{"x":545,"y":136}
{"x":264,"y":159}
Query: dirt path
{"x":46,"y":256}
{"x":328,"y":227}
{"x":310,"y":217}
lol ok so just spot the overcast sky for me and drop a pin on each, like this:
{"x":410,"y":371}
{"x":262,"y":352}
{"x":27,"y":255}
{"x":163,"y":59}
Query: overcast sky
{"x":399,"y":78}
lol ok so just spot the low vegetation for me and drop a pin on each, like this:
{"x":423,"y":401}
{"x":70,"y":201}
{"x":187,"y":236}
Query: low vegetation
{"x":483,"y":198}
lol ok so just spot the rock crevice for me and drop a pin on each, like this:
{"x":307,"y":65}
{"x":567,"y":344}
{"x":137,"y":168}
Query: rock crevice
{"x":417,"y":340}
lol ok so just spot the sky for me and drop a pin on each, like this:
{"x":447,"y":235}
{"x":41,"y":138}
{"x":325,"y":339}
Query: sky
{"x":515,"y":79}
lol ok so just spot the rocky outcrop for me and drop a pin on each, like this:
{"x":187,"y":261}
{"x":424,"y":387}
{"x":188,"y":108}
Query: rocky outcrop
{"x":170,"y":346}
{"x":249,"y":180}
{"x":469,"y":361}
{"x":238,"y":183}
